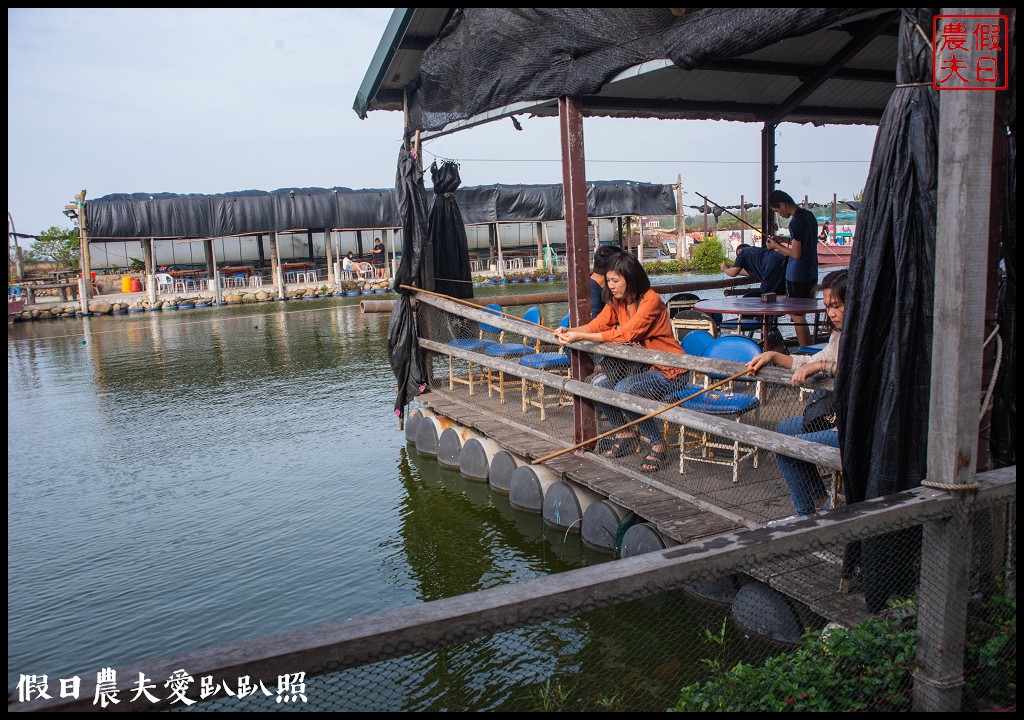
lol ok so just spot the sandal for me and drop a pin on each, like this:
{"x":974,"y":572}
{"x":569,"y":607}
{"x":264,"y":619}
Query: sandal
{"x":653,"y":460}
{"x":617,"y":447}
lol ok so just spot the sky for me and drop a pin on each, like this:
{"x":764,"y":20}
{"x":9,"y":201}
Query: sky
{"x":218,"y":100}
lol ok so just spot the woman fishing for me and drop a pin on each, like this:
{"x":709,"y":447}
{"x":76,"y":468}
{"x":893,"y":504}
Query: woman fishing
{"x":633,"y":313}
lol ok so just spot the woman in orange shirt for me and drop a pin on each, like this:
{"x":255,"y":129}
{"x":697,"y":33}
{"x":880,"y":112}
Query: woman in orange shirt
{"x":633,"y":313}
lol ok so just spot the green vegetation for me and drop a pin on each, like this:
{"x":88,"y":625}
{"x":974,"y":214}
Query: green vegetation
{"x":709,"y":256}
{"x":59,"y":245}
{"x":869,"y":667}
{"x":136,"y":265}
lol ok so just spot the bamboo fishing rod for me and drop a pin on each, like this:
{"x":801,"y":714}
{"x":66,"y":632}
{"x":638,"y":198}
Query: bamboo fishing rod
{"x":756,"y":229}
{"x":648,"y":416}
{"x":473,"y":305}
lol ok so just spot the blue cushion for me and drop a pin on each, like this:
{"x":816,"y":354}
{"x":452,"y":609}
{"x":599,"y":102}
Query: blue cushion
{"x":715,"y":402}
{"x":543,"y":361}
{"x":507,"y":349}
{"x":745,"y":325}
{"x":471,"y":343}
{"x":685,"y":392}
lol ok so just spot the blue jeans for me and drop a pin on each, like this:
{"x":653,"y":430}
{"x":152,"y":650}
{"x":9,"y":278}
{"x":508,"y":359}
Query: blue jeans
{"x":648,"y":384}
{"x":802,"y":478}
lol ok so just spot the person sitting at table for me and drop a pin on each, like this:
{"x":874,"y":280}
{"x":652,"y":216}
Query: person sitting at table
{"x":633,"y":313}
{"x":806,"y":487}
{"x":347,"y":263}
{"x":761,"y":264}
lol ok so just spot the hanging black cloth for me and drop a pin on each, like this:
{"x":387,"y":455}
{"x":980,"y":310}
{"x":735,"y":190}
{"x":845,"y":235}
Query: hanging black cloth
{"x":883,"y":382}
{"x":413,"y":270}
{"x":446,"y":233}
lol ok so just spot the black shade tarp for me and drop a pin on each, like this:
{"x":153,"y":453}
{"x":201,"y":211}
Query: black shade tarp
{"x":486,"y":58}
{"x":251,"y":212}
{"x":446,"y":233}
{"x":414,"y":270}
{"x":1004,"y":408}
{"x":883,"y":381}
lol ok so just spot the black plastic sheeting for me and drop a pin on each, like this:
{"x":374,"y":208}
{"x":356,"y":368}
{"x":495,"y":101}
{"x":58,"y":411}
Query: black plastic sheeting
{"x":446,"y":233}
{"x":250,"y":212}
{"x":883,"y":382}
{"x":470,"y":68}
{"x":1004,"y":407}
{"x":404,"y":352}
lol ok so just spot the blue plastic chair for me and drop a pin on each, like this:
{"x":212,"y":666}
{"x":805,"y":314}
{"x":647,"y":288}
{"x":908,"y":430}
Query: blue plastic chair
{"x":724,"y":403}
{"x":696,"y":341}
{"x":496,"y":379}
{"x":475,"y":344}
{"x":556,"y":362}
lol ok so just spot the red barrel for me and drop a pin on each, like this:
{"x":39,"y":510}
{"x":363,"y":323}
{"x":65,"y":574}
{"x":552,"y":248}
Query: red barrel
{"x":136,"y":285}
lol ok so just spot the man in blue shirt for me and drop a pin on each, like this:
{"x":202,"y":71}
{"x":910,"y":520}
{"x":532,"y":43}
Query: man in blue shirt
{"x":761,"y":264}
{"x":802,"y":250}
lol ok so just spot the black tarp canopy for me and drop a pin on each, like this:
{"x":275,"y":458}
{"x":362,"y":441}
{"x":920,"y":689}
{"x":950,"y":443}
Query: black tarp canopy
{"x":250,"y":212}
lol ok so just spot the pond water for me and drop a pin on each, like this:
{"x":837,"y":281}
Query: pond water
{"x":186,"y":479}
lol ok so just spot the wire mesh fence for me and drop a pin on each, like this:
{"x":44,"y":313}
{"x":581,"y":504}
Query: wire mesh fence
{"x":906,"y":602}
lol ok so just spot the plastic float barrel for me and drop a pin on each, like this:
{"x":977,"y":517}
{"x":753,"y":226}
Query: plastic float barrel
{"x":720,"y":590}
{"x":643,"y":538}
{"x":449,"y":445}
{"x":503,"y":465}
{"x":428,"y":433}
{"x":411,"y":420}
{"x":126,"y":284}
{"x":604,"y":524}
{"x":475,"y":458}
{"x":528,"y":486}
{"x":767,"y":613}
{"x":136,"y":285}
{"x":565,"y":503}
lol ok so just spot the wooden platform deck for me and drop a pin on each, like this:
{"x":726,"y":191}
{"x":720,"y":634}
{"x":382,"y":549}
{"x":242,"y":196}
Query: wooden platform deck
{"x":683,"y":507}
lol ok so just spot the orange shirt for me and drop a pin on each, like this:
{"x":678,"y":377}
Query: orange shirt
{"x":646,"y":322}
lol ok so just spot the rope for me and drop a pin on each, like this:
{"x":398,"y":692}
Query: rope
{"x":986,"y":404}
{"x":951,"y":486}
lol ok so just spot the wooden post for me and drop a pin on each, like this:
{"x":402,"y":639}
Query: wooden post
{"x":547,"y":244}
{"x":577,"y":250}
{"x":961,"y":256}
{"x":216,"y":280}
{"x":275,"y":266}
{"x":540,"y":245}
{"x":497,"y":241}
{"x":767,"y":179}
{"x":833,"y":217}
{"x":327,"y":249}
{"x":147,"y":258}
{"x":259,"y":250}
{"x":83,"y":240}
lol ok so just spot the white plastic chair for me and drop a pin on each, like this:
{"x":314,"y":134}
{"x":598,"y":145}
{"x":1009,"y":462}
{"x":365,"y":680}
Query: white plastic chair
{"x":164,"y":282}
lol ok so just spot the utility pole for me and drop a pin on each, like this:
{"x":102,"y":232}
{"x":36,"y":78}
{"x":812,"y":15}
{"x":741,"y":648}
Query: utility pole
{"x":680,"y":219}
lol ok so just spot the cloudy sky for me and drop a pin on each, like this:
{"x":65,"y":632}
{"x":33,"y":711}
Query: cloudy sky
{"x":212,"y":101}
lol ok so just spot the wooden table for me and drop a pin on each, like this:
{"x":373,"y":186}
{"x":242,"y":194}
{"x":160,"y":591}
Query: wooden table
{"x":61,"y":288}
{"x":246,"y":270}
{"x":753,"y":307}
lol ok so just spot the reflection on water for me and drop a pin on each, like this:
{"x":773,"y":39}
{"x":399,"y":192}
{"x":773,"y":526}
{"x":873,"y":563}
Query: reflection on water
{"x":181,"y":480}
